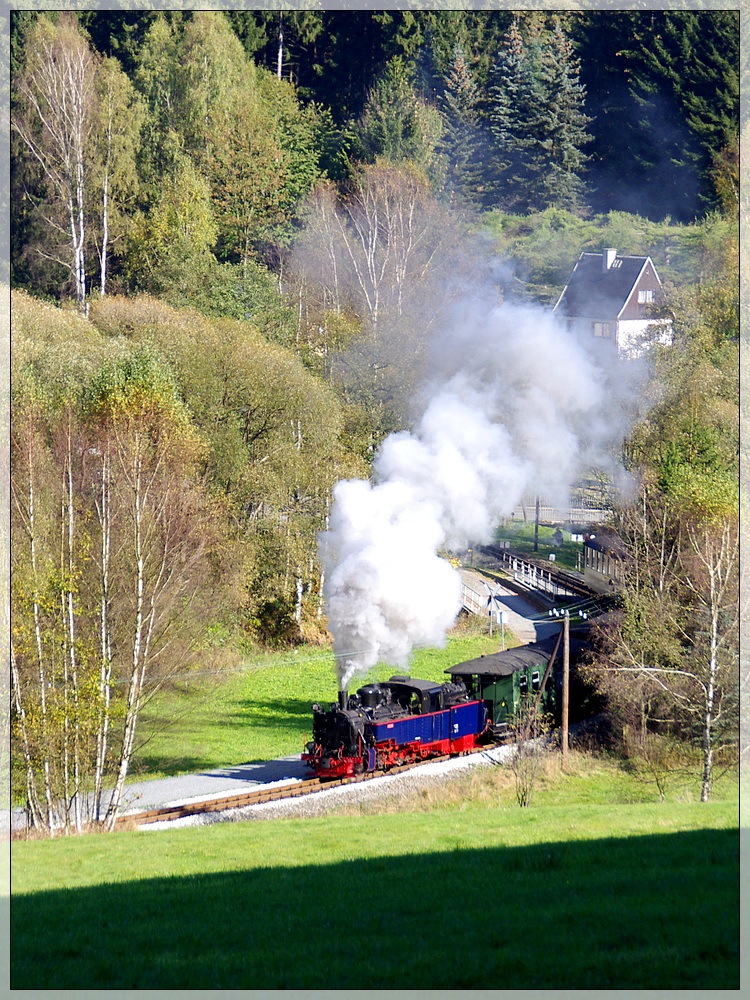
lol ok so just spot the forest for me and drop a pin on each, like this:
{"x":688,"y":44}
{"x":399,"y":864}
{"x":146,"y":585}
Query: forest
{"x":232,"y":236}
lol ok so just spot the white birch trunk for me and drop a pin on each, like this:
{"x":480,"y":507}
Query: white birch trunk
{"x":70,"y":615}
{"x":137,"y":666}
{"x":104,"y":259}
{"x":280,"y":53}
{"x":41,"y":671}
{"x":103,"y":508}
{"x":145,"y":614}
{"x":36,"y":817}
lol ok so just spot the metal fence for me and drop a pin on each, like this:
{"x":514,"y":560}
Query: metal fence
{"x":549,"y":514}
{"x":472,"y":601}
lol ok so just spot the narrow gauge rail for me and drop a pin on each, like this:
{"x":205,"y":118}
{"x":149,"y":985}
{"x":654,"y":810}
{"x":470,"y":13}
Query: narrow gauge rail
{"x":261,"y":795}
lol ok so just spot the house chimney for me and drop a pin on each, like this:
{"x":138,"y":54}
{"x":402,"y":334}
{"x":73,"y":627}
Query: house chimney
{"x":608,"y":258}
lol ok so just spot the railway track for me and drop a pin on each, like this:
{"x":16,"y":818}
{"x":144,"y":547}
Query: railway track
{"x":558,"y":581}
{"x":262,"y":795}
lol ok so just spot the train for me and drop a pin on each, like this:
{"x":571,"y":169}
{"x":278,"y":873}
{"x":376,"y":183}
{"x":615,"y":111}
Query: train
{"x":407,"y":720}
{"x":402,"y":720}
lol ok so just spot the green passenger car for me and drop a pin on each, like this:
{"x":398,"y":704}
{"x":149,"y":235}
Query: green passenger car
{"x":510,"y":679}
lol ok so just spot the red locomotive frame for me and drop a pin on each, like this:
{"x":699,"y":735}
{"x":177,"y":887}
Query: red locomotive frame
{"x":388,"y":753}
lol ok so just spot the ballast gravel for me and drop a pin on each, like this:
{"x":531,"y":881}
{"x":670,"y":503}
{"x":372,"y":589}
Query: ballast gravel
{"x":393,"y":786}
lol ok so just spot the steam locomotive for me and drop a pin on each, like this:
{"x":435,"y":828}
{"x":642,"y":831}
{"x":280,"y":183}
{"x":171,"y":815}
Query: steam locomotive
{"x":400,"y":721}
{"x":405,"y":720}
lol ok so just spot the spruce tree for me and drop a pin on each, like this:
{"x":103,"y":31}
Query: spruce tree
{"x":396,"y":125}
{"x":684,"y":78}
{"x":556,"y":130}
{"x":511,"y":98}
{"x":463,"y":142}
{"x":537,"y":121}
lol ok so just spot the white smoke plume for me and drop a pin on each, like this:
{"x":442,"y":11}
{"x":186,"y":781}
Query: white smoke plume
{"x":515,"y":403}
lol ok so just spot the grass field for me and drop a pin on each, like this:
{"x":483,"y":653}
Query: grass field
{"x":558,"y":896}
{"x":520,"y":534}
{"x":262,"y":710}
{"x":596,"y":886}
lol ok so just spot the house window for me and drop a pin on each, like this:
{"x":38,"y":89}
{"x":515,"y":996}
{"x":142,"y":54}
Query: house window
{"x":603,"y":329}
{"x":645,"y":295}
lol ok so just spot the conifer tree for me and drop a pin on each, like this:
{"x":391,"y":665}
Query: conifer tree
{"x":684,"y":78}
{"x":537,"y":122}
{"x":510,"y":102}
{"x":463,"y":142}
{"x":556,"y":129}
{"x":395,"y":124}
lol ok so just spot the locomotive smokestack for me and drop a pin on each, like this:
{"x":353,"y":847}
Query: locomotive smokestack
{"x":343,"y":699}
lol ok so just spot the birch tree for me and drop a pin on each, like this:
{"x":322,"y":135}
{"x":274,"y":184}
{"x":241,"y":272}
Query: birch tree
{"x":52,"y":658}
{"x":117,"y":558}
{"x":29,"y":557}
{"x":120,"y":116}
{"x":381,"y":241}
{"x":162,"y":519}
{"x":55,"y":121}
{"x":670,"y":662}
{"x":383,"y":250}
{"x":711,"y":565}
{"x":78,"y":119}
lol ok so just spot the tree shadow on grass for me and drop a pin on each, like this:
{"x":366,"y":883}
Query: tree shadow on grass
{"x":653,"y":912}
{"x":286,"y":717}
{"x":145,"y":766}
{"x":291,"y":714}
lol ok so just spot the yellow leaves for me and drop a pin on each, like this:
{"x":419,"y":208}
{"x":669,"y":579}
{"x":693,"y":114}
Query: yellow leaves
{"x":58,"y":348}
{"x":182,"y":211}
{"x":710,"y":496}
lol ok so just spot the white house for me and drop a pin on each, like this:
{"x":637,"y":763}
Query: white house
{"x":610,"y":296}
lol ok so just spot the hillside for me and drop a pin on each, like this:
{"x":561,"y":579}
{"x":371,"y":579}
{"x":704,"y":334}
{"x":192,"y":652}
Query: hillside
{"x":281,"y":250}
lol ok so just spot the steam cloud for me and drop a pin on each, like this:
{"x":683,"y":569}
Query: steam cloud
{"x":515,"y":403}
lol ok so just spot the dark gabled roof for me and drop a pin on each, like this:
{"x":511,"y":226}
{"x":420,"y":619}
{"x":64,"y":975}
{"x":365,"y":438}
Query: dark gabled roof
{"x":508,"y":661}
{"x":592,"y":292}
{"x":606,"y":541}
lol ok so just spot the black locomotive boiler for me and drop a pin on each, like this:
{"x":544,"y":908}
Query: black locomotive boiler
{"x":399,"y":721}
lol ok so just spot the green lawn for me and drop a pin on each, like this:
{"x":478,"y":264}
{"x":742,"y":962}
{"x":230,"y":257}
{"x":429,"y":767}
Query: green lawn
{"x":573,"y":896}
{"x":262,"y":710}
{"x":596,"y":886}
{"x":520,"y":535}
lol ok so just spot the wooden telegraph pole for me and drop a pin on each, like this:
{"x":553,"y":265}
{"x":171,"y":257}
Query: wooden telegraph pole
{"x":565,"y":687}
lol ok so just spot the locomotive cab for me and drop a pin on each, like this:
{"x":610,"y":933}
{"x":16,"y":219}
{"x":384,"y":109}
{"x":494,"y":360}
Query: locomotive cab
{"x":417,"y":697}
